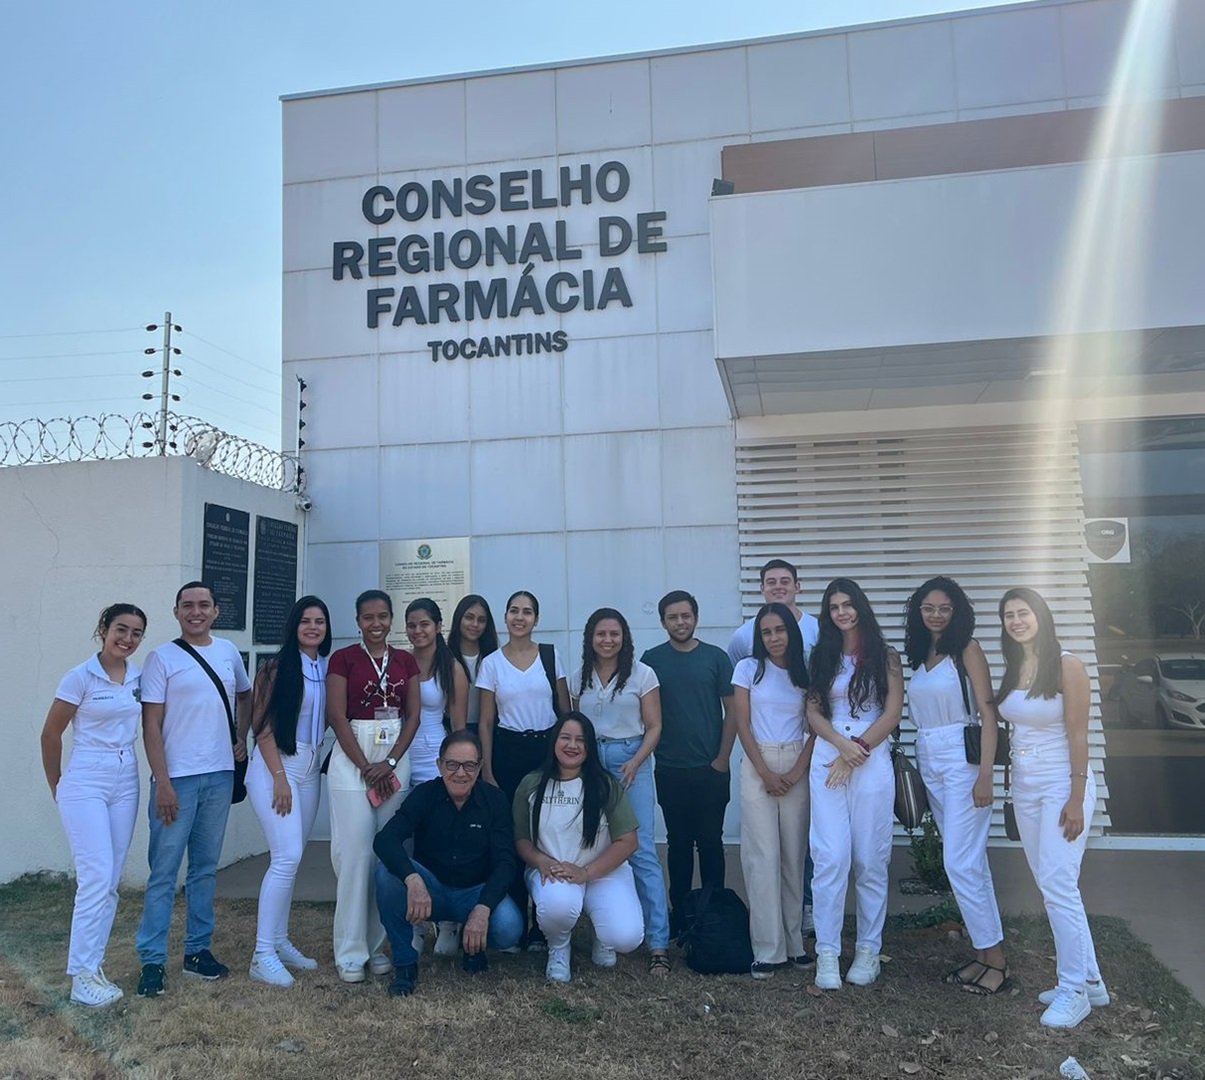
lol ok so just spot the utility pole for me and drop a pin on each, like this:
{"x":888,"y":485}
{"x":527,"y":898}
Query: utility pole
{"x":165,"y":394}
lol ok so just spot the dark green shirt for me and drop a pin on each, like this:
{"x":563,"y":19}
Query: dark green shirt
{"x":692,"y":713}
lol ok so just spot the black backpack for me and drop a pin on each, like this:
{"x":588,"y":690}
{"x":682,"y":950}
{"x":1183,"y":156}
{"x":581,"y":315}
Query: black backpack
{"x":715,"y":938}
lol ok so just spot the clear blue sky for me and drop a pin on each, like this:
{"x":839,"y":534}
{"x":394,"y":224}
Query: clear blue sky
{"x":141,"y":150}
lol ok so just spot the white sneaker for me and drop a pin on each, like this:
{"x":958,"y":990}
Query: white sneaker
{"x":602,"y":955}
{"x":1098,"y":995}
{"x":100,"y":974}
{"x":809,"y":923}
{"x":267,"y":968}
{"x":865,"y":968}
{"x":88,"y":988}
{"x":351,"y":973}
{"x":557,"y":968}
{"x":1067,"y":1009}
{"x":828,"y":970}
{"x":447,"y":942}
{"x":293,"y":957}
{"x":379,"y":964}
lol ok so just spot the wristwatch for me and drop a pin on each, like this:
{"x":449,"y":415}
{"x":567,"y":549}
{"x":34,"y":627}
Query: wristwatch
{"x":391,"y":762}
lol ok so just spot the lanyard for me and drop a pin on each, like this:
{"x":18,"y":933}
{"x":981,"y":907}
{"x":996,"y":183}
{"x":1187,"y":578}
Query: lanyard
{"x":382,"y":671}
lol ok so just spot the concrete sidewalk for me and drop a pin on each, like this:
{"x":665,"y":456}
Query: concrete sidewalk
{"x":1159,"y":893}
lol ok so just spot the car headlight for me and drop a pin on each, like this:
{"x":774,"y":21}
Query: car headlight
{"x":1175,"y":695}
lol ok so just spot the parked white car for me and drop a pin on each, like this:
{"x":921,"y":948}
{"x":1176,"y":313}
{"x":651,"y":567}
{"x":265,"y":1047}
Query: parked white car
{"x":1162,"y":691}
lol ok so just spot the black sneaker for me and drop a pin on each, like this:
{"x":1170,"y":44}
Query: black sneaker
{"x":404,"y":979}
{"x":536,"y":941}
{"x":475,"y":964}
{"x":202,"y":965}
{"x":802,"y":960}
{"x":150,"y":982}
{"x":760,"y":969}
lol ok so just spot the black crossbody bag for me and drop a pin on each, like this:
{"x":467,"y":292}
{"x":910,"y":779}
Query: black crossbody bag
{"x":972,"y":734}
{"x":240,"y":767}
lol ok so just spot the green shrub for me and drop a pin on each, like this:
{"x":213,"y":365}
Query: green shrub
{"x":927,"y":854}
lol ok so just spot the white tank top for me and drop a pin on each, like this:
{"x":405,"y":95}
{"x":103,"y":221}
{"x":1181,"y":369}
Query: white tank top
{"x":425,"y":749}
{"x":935,"y":697}
{"x":1035,"y":719}
{"x":839,"y":699}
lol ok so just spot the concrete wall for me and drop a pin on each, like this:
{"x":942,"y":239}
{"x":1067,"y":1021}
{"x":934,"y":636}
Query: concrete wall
{"x":73,"y":539}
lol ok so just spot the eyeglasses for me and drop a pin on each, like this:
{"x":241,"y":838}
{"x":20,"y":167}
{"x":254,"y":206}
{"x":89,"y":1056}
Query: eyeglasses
{"x":461,"y":766}
{"x":930,"y":610}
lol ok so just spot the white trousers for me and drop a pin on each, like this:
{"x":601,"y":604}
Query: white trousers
{"x":851,"y":827}
{"x":949,"y":780}
{"x":354,"y":824}
{"x":774,"y":846}
{"x":1041,"y":786}
{"x":286,"y":837}
{"x":610,"y":902}
{"x":98,"y":803}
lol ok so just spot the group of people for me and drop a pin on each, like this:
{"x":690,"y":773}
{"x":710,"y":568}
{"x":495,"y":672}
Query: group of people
{"x":476,"y":786}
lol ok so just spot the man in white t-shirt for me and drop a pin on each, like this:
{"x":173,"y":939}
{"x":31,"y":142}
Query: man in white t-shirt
{"x":779,"y":585}
{"x":190,"y":750}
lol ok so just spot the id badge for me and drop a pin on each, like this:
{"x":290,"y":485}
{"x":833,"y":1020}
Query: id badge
{"x":383,"y":737}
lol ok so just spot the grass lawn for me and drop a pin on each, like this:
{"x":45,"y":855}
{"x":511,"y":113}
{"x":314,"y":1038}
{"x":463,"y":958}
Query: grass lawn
{"x":605,"y":1024}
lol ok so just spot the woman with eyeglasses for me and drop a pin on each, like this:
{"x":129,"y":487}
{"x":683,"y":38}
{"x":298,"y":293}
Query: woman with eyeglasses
{"x":472,"y":638}
{"x":288,"y":720}
{"x":621,"y":696}
{"x":575,"y":830}
{"x":373,"y":703}
{"x":1045,"y":694}
{"x":951,"y":688}
{"x":854,"y":704}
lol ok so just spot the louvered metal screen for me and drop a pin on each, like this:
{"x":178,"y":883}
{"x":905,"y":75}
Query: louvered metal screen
{"x":990,"y":507}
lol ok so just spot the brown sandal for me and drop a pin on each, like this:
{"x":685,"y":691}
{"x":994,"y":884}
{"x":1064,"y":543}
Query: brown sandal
{"x":977,"y":985}
{"x":659,"y":965}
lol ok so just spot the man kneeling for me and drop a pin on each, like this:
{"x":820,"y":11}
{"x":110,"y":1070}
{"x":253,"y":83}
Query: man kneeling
{"x":464,"y":859}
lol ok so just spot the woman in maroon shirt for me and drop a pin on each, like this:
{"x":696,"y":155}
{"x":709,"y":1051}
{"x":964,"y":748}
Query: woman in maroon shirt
{"x":372,"y":705}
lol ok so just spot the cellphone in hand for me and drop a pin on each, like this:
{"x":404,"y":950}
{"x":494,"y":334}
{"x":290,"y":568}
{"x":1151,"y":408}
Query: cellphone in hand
{"x":394,"y":784}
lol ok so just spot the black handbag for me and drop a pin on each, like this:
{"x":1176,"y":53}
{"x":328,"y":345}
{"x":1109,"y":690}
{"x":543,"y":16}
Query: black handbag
{"x":911,"y":799}
{"x":239,"y":792}
{"x":1010,"y":814}
{"x":972,"y":737}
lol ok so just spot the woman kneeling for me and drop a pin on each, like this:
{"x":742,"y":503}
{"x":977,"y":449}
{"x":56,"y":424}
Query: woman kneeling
{"x":575,"y":830}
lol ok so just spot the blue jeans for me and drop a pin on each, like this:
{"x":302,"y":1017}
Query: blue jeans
{"x":199,"y":829}
{"x":447,"y":905}
{"x":650,"y":882}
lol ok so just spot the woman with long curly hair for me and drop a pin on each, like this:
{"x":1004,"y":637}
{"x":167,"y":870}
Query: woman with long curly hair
{"x":854,"y":704}
{"x":620,"y":695}
{"x":950,"y":688}
{"x":575,"y":830}
{"x":288,"y":720}
{"x":1045,"y":695}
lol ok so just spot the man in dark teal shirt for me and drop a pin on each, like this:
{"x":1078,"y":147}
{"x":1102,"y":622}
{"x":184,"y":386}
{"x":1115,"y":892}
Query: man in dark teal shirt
{"x":697,"y":732}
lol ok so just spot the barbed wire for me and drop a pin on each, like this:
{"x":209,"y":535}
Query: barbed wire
{"x":112,"y":436}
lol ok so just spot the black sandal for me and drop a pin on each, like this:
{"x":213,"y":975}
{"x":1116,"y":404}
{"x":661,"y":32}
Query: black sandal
{"x":659,"y":965}
{"x":976,"y":986}
{"x":957,"y":978}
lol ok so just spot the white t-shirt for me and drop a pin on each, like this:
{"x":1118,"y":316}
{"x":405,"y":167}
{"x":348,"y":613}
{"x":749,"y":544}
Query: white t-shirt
{"x":776,"y":705}
{"x":524,"y":698}
{"x":615,"y":715}
{"x":196,"y":734}
{"x":741,"y":643}
{"x":107,"y":714}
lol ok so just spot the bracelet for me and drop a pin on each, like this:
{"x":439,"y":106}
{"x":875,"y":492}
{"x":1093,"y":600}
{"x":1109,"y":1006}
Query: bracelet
{"x":857,"y":740}
{"x":281,"y":773}
{"x":1083,"y":775}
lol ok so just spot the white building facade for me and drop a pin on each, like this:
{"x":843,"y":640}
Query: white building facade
{"x":942,"y":315}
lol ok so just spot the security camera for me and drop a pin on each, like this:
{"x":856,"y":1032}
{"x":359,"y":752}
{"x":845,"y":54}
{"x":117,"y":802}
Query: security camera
{"x":304,"y":503}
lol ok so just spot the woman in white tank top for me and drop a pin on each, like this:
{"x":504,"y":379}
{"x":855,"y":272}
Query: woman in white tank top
{"x":950,"y":677}
{"x":1045,"y":694}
